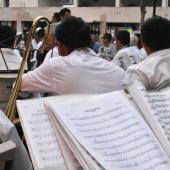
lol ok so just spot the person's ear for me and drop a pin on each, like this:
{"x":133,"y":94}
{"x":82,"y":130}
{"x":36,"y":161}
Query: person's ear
{"x":118,"y":44}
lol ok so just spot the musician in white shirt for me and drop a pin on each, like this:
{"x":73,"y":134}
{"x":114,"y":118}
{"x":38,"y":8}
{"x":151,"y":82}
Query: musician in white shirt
{"x":78,"y":69}
{"x":51,"y":45}
{"x":8,"y":59}
{"x":154,"y":72}
{"x":128,"y":53}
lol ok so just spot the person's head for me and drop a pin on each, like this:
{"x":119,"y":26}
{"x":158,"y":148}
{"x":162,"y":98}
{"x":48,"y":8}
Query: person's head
{"x":7,"y":36}
{"x":50,"y":43}
{"x":122,"y":39}
{"x":107,"y":38}
{"x":73,"y":33}
{"x":155,"y":34}
{"x":55,"y":17}
{"x":65,"y":12}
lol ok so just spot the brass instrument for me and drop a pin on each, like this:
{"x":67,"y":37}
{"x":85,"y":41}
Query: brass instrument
{"x":11,"y":106}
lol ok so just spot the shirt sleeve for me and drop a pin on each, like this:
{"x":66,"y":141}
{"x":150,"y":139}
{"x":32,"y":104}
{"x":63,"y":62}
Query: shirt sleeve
{"x":38,"y":80}
{"x":137,"y":75}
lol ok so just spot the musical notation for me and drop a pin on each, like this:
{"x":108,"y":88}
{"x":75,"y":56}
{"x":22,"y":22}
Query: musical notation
{"x":113,"y":132}
{"x":40,"y":134}
{"x":160,"y":103}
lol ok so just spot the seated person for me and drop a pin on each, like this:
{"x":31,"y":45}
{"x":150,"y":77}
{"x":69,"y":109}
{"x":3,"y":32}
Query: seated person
{"x":64,"y":13}
{"x":127,"y":55}
{"x":8,"y":59}
{"x":78,"y":69}
{"x":8,"y":132}
{"x":55,"y":18}
{"x":107,"y":50}
{"x":153,"y":72}
{"x":95,"y":43}
{"x":51,"y":45}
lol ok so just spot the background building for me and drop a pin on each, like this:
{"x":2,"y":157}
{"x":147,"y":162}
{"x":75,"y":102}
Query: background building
{"x":101,"y":14}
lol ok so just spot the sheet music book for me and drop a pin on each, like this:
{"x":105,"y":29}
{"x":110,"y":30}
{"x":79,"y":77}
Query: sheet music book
{"x":42,"y":141}
{"x":105,"y":131}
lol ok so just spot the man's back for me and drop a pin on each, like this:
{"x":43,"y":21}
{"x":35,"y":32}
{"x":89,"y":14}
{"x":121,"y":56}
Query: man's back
{"x":154,"y":71}
{"x":130,"y":54}
{"x":81,"y":71}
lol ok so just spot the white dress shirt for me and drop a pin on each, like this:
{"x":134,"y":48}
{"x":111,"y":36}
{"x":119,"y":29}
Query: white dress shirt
{"x":52,"y":53}
{"x":129,"y":55}
{"x":36,"y":46}
{"x":107,"y":52}
{"x":81,"y":71}
{"x":153,"y":72}
{"x":8,"y":132}
{"x":13,"y":60}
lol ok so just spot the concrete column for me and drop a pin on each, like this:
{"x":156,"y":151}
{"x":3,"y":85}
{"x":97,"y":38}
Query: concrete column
{"x":1,"y":3}
{"x":117,"y":3}
{"x":102,"y":28}
{"x":19,"y":26}
{"x":164,"y":3}
{"x":76,"y":3}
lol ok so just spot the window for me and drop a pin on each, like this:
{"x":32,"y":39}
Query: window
{"x":97,"y":3}
{"x":54,"y":2}
{"x":137,"y":2}
{"x":6,"y":3}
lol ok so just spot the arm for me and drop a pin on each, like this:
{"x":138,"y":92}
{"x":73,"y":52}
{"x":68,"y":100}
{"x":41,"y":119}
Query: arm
{"x":38,"y":80}
{"x":143,"y":13}
{"x":137,"y":75}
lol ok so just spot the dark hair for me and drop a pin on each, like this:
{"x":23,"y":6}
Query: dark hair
{"x":63,"y":11}
{"x":156,"y":33}
{"x":74,"y":33}
{"x":123,"y":36}
{"x":56,"y":15}
{"x":107,"y":36}
{"x":7,"y":36}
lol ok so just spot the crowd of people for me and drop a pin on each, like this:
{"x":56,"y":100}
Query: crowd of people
{"x":76,"y":62}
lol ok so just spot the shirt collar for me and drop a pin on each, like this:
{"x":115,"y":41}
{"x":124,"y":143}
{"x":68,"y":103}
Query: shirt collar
{"x":80,"y":51}
{"x":160,"y":53}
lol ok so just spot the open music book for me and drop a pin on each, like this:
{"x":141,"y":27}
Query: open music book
{"x":96,"y":132}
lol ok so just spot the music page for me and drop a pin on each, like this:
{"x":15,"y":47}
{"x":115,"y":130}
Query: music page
{"x":113,"y":132}
{"x":155,"y":106}
{"x":160,"y":103}
{"x":40,"y":136}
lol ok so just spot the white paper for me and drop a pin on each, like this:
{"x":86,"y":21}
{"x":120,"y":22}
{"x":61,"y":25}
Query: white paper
{"x":160,"y":102}
{"x":156,"y":110}
{"x":41,"y":137}
{"x":113,"y":132}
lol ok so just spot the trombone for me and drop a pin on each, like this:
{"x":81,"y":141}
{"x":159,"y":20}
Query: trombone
{"x":11,"y":106}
